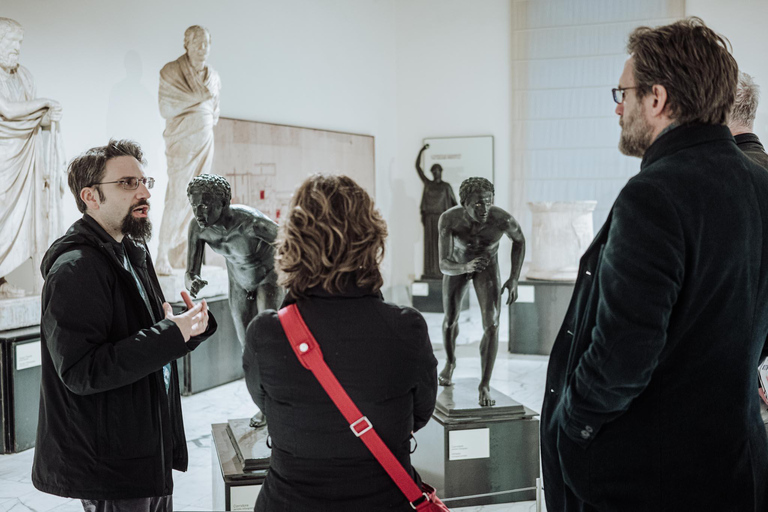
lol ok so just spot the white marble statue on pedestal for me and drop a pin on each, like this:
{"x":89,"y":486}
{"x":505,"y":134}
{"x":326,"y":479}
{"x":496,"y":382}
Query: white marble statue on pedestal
{"x":189,"y":102}
{"x":562,"y":231}
{"x":32,"y":166}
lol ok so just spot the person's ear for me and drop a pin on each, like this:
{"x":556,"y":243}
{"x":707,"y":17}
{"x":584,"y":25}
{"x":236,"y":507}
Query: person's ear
{"x":91,"y":197}
{"x":658,"y":100}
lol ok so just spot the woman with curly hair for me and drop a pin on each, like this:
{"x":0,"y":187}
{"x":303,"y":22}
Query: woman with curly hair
{"x":328,"y":255}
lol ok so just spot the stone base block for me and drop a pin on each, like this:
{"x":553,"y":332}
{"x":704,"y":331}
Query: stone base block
{"x":22,"y":312}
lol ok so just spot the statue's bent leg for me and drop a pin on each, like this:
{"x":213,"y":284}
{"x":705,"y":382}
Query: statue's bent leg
{"x":488,"y":288}
{"x":243,"y":311}
{"x":454,"y":288}
{"x":269,"y":294}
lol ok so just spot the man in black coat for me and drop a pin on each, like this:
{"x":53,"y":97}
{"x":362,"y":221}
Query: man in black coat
{"x":649,"y":403}
{"x":740,"y":123}
{"x":110,"y":428}
{"x":742,"y":119}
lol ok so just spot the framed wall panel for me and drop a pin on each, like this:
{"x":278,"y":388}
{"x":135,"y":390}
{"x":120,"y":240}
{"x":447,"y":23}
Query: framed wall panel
{"x":265,"y":162}
{"x":460,"y":158}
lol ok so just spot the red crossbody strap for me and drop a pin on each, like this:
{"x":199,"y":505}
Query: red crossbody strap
{"x":308,"y":351}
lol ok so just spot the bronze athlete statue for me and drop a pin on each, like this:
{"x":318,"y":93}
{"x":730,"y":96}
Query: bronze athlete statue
{"x":469,"y":245}
{"x":244,"y":236}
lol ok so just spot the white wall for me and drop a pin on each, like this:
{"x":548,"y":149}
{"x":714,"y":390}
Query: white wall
{"x":743,"y":23}
{"x":399,"y":70}
{"x":453,"y":79}
{"x":569,"y":54}
{"x":321,"y":64}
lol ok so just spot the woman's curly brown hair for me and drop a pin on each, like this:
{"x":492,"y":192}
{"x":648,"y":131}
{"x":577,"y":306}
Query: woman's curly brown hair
{"x":333,"y":237}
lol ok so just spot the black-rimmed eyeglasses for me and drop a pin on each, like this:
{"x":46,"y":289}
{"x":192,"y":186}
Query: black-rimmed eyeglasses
{"x":618,"y":94}
{"x":131,"y":183}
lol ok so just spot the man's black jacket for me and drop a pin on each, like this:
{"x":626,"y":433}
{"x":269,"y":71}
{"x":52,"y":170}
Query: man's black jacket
{"x":750,"y":144}
{"x":650,"y":397}
{"x":107,"y":428}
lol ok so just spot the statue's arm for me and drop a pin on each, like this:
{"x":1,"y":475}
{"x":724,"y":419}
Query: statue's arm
{"x":452,"y":197}
{"x":195,"y":250}
{"x":448,"y":265}
{"x":515,"y":233}
{"x":14,"y":110}
{"x":419,"y":170}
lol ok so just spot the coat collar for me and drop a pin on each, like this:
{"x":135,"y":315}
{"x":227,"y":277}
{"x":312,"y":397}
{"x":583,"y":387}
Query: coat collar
{"x":747,"y":138}
{"x":683,"y":137}
{"x":350,"y":292}
{"x":137,"y":253}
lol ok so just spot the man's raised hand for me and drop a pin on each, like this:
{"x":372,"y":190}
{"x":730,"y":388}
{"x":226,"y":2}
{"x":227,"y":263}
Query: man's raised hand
{"x":193,"y":321}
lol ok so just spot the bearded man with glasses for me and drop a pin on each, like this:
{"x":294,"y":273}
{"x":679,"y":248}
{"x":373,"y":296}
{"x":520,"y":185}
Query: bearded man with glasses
{"x":110,"y":428}
{"x":650,"y":397}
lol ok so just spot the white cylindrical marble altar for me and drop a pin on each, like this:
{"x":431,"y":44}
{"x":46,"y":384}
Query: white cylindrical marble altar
{"x":562,"y":231}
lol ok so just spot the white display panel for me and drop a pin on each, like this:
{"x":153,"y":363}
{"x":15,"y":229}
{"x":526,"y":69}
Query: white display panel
{"x":469,"y":444}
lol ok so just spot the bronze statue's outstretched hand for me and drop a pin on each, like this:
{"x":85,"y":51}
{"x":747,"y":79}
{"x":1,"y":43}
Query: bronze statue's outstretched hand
{"x":194,"y":283}
{"x":476,"y":265}
{"x":511,"y":287}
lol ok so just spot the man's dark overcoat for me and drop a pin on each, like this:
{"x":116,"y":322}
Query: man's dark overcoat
{"x":650,"y":398}
{"x":107,"y":428}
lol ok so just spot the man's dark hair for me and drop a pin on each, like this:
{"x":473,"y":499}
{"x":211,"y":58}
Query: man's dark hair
{"x":745,"y":104}
{"x":213,"y":184}
{"x":471,"y":185}
{"x":694,"y":65}
{"x":88,"y":169}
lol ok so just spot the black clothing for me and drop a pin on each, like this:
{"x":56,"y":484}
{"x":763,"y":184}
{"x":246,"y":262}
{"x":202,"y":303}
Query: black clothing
{"x":382,"y":356}
{"x":750,"y":144}
{"x":107,"y":430}
{"x":160,"y":504}
{"x":650,"y":397}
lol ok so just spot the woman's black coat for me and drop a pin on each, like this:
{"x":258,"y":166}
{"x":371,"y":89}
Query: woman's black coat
{"x":382,"y":356}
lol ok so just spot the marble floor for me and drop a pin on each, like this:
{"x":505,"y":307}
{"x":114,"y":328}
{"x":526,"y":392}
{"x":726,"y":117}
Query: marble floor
{"x":521,"y":377}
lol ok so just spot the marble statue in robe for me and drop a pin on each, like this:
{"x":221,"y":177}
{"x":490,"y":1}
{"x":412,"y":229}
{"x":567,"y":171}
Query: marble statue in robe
{"x":32,"y":165}
{"x":189,"y":102}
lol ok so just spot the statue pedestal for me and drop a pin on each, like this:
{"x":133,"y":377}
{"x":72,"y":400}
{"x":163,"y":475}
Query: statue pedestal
{"x":478,"y":455}
{"x":537,"y":314}
{"x":240,"y":458}
{"x":21,"y":312}
{"x":218,"y":283}
{"x":427,"y":295}
{"x":20,"y":389}
{"x":219,"y":359}
{"x":562,"y":231}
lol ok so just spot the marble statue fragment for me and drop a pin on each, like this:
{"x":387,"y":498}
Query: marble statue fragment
{"x":245,"y":237}
{"x":189,"y":102}
{"x":32,"y":166}
{"x":469,"y":244}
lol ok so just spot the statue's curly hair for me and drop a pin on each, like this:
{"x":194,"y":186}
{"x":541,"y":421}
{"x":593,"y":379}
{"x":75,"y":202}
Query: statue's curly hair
{"x":216,"y":185}
{"x":471,"y":185}
{"x":333,"y":237}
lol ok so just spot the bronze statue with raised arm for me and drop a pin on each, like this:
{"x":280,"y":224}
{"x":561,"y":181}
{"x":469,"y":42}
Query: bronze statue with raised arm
{"x":245,"y":237}
{"x":469,"y":246}
{"x":435,"y":199}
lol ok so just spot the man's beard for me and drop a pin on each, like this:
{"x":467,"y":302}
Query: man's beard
{"x":636,"y":133}
{"x":136,"y":228}
{"x":8,"y":65}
